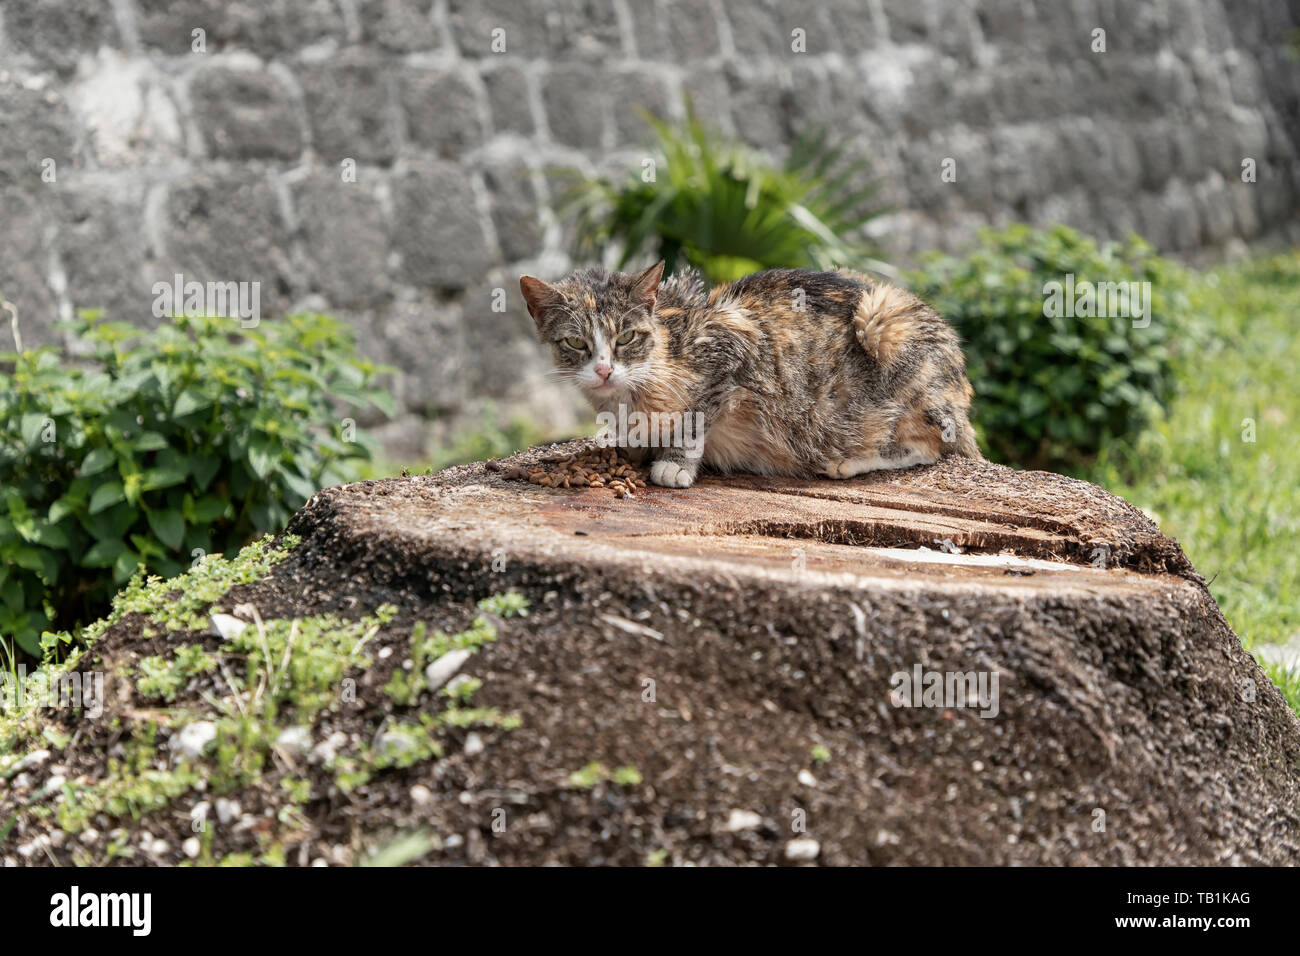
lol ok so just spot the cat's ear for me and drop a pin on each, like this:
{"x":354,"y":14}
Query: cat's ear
{"x":539,"y":296}
{"x":645,"y":285}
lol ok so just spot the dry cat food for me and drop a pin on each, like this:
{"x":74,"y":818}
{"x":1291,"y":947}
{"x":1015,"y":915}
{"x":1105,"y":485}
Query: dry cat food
{"x":595,"y":468}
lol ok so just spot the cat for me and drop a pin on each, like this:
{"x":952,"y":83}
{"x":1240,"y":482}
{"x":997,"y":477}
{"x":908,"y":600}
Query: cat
{"x":789,"y":371}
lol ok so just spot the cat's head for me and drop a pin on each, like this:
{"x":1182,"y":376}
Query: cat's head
{"x":600,"y":326}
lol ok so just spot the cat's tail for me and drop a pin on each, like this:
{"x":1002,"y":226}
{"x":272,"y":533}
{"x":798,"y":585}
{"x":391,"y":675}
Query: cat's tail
{"x":966,"y":446}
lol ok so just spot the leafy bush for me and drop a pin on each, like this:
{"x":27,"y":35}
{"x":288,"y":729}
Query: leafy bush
{"x":1052,"y":389}
{"x":158,"y":447}
{"x":726,"y":209}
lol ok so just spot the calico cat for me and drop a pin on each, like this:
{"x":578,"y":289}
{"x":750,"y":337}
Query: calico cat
{"x":788,"y":371}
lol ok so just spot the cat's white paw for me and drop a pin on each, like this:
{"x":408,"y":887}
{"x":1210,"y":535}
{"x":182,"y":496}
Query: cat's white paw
{"x":671,"y":475}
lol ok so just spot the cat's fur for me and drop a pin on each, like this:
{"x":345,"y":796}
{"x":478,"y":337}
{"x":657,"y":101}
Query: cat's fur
{"x":865,"y":376}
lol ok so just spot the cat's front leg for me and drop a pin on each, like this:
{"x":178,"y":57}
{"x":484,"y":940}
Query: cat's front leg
{"x":675,"y":468}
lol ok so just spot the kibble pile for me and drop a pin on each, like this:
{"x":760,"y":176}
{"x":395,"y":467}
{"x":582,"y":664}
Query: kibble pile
{"x":595,"y":468}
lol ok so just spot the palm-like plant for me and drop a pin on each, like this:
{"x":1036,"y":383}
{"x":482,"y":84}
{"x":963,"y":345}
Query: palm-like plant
{"x":728,"y":210}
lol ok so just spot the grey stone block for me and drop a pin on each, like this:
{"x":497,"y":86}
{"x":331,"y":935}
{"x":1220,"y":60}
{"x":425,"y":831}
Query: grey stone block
{"x":226,"y":227}
{"x":437,"y":227}
{"x":650,"y":30}
{"x":442,"y":112}
{"x":525,"y":27}
{"x":808,"y":101}
{"x":1185,"y":231}
{"x":514,"y":209}
{"x":345,"y":239}
{"x":1245,"y":214}
{"x":425,"y":341}
{"x":507,"y":92}
{"x":692,"y":29}
{"x":350,"y":108}
{"x":26,"y":257}
{"x":266,"y":27}
{"x":756,"y":32}
{"x":1155,"y":153}
{"x":504,"y":357}
{"x":584,"y":29}
{"x":1023,"y":92}
{"x":102,"y":249}
{"x":1002,"y":22}
{"x":957,"y":30}
{"x":1215,"y":206}
{"x":910,"y":21}
{"x":401,"y":26}
{"x":246,"y":114}
{"x":632,"y":94}
{"x":853,"y":25}
{"x":35,"y":126}
{"x":574,"y":101}
{"x":708,"y":90}
{"x":55,"y":34}
{"x":759,"y":112}
{"x":1117,"y":216}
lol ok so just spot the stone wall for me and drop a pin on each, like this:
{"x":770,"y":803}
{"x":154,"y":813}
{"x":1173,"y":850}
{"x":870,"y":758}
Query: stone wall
{"x":379,"y":159}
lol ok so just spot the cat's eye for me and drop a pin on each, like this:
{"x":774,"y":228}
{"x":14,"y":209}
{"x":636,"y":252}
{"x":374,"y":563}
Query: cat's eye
{"x":626,"y":337}
{"x":578,"y":345}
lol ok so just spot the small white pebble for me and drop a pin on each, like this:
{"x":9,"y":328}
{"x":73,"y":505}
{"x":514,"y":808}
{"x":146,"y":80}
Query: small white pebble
{"x":742,"y":820}
{"x":445,"y":667}
{"x":192,"y":848}
{"x":328,"y":749}
{"x":227,"y":810}
{"x":421,"y":795}
{"x":807,"y":779}
{"x":33,"y":759}
{"x":294,"y":741}
{"x":193,"y":738}
{"x":228,"y":627}
{"x":473,"y":744}
{"x":802,"y":850}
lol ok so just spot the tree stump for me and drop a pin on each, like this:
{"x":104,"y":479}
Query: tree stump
{"x":764,"y":652}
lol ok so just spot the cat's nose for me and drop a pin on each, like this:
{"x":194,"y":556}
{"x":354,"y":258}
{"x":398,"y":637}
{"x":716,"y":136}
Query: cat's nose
{"x":602,"y":370}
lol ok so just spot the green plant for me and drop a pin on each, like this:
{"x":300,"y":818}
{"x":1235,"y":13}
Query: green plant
{"x":159,"y":677}
{"x":728,"y":210}
{"x":1220,"y":472}
{"x":157,"y":447}
{"x":1054,"y":380}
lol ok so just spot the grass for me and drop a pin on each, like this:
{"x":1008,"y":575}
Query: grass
{"x":271,"y":677}
{"x":1221,"y":470}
